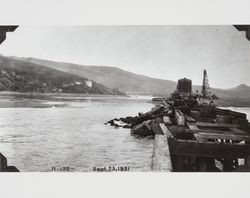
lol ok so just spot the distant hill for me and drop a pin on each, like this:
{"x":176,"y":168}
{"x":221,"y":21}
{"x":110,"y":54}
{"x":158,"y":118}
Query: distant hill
{"x":132,"y":83}
{"x":113,"y":77}
{"x":241,"y":88}
{"x":238,"y":96}
{"x":17,"y":75}
{"x":241,"y":91}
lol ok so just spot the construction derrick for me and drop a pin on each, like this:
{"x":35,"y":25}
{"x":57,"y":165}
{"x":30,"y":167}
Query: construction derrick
{"x":205,"y":85}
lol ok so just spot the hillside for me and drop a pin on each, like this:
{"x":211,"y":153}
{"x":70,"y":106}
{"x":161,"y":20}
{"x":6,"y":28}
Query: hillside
{"x":132,"y":83}
{"x":16,"y":75}
{"x":113,"y":77}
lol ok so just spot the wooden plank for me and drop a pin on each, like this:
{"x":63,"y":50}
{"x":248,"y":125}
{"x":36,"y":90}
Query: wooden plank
{"x":207,"y":149}
{"x":207,"y":131}
{"x":189,"y":119}
{"x":230,"y":113}
{"x":179,"y":116}
{"x":235,"y":130}
{"x":232,"y":131}
{"x":166,"y":120}
{"x":165,"y":130}
{"x":161,"y":160}
{"x":192,"y":126}
{"x":222,"y":136}
{"x":209,"y":124}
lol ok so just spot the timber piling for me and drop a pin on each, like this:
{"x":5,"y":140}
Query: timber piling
{"x":161,"y":160}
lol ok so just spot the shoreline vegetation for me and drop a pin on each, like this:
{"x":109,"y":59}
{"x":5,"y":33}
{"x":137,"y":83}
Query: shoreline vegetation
{"x":24,"y":77}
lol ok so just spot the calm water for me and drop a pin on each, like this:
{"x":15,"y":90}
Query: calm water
{"x":74,"y":136}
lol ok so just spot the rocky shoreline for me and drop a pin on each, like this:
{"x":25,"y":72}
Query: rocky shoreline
{"x":145,"y":124}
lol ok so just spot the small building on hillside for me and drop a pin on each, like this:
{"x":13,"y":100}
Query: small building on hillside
{"x":89,"y":83}
{"x":78,"y":83}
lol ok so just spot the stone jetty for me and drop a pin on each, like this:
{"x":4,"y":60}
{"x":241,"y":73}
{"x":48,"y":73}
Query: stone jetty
{"x":145,"y":124}
{"x":192,"y":134}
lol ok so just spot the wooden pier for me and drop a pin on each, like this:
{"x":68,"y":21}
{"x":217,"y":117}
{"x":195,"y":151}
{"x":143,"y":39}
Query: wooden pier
{"x":161,"y":154}
{"x":201,"y":146}
{"x":200,"y":136}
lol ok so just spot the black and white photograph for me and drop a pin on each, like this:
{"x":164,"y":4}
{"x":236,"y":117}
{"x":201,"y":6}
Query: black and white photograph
{"x":125,"y":98}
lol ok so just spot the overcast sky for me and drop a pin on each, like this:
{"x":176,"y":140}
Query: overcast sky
{"x":166,"y":52}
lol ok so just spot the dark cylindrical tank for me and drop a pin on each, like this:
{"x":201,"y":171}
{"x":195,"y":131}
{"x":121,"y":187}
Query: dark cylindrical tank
{"x":184,"y":85}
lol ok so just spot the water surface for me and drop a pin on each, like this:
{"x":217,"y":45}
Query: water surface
{"x":72,"y":134}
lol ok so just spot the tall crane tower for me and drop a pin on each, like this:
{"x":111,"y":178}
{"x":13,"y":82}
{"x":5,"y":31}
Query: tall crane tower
{"x":205,"y":85}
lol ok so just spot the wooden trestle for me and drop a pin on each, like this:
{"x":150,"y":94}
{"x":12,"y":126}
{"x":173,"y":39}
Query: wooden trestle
{"x":206,"y":146}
